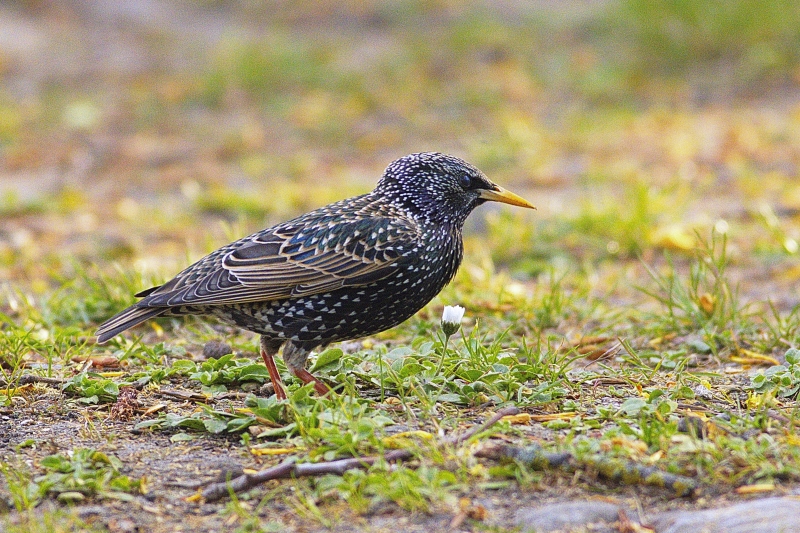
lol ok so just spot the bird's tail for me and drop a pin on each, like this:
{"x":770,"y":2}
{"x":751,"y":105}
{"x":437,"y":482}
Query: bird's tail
{"x":125,"y":320}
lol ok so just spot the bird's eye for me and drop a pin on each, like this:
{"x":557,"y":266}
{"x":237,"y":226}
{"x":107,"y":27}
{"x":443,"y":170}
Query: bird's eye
{"x":465,"y":181}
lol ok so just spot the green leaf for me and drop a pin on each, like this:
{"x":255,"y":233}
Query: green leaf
{"x":654,"y":394}
{"x":328,"y":358}
{"x":25,"y":444}
{"x":58,"y":463}
{"x":253,"y":372}
{"x":181,"y":437}
{"x":410,"y":369}
{"x":699,"y":346}
{"x":399,"y":353}
{"x":470,"y":375}
{"x":144,"y":424}
{"x":451,"y":398}
{"x":215,"y":425}
{"x":284,"y":431}
{"x":239,"y":424}
{"x":182,"y":366}
{"x":171,"y":420}
{"x":632,"y":406}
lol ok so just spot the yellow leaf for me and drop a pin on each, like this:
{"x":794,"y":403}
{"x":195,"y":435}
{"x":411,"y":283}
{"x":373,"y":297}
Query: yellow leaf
{"x":655,"y":342}
{"x":707,"y":302}
{"x":526,"y":418}
{"x":791,"y":273}
{"x":673,"y":238}
{"x":196,"y":497}
{"x":17,"y":391}
{"x":405,"y":439}
{"x":792,"y":440}
{"x":656,"y":457}
{"x":755,"y":489}
{"x":478,"y":470}
{"x":154,"y":408}
{"x":749,"y":357}
{"x":553,"y":416}
{"x":521,"y":418}
{"x":271,"y":451}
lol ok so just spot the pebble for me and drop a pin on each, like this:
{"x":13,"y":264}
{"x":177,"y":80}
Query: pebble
{"x":216,"y":349}
{"x":766,"y":515}
{"x":566,"y":516}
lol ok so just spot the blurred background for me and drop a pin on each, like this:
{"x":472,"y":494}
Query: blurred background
{"x":149,"y":132}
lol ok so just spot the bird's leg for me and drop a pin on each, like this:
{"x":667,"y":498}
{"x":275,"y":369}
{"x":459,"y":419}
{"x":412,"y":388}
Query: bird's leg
{"x":295,"y":358}
{"x":269,"y":348}
{"x":306,"y":377}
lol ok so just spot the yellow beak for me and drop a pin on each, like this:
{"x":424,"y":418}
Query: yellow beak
{"x":499,"y":194}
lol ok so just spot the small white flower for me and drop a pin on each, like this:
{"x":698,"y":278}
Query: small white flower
{"x":451,"y":318}
{"x":453,"y":314}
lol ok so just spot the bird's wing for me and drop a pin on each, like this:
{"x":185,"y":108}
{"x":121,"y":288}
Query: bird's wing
{"x":292,"y":260}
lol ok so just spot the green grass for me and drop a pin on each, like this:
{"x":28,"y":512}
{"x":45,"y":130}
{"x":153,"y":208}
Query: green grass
{"x":756,"y":41}
{"x":70,"y":478}
{"x":50,"y":521}
{"x":434,"y":385}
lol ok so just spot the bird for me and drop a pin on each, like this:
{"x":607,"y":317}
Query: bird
{"x":348,"y":270}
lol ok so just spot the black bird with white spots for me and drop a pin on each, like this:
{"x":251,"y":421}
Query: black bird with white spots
{"x":347,"y":270}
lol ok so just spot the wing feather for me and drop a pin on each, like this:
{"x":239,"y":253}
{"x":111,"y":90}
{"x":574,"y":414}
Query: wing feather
{"x":293,"y":260}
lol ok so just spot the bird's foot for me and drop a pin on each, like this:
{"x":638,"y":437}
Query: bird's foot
{"x":280,"y":394}
{"x":306,"y":377}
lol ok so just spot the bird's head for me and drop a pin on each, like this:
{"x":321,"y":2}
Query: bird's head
{"x":440,"y":187}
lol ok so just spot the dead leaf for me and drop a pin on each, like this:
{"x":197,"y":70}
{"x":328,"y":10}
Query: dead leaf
{"x":756,"y":488}
{"x":185,"y":395}
{"x":272,"y":451}
{"x":17,"y":391}
{"x":673,"y":237}
{"x":749,"y":357}
{"x":707,"y":302}
{"x":527,"y":418}
{"x":126,"y":404}
{"x":98,"y":361}
{"x":154,"y":409}
{"x":592,"y":339}
{"x":405,"y":439}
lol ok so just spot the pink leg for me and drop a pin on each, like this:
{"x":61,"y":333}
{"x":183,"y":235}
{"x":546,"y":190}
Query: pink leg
{"x":306,"y":377}
{"x":267,"y":354}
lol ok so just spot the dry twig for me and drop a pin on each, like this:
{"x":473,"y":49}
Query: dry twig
{"x":620,"y":470}
{"x":291,"y":469}
{"x":25,"y":379}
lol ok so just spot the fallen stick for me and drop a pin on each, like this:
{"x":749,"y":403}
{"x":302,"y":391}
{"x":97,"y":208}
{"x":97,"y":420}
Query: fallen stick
{"x":26,"y":379}
{"x":627,"y":472}
{"x":291,"y":469}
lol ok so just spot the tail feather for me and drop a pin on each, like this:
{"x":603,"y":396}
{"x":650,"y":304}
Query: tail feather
{"x":125,"y":320}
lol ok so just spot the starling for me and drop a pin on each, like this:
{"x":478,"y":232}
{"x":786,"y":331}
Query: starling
{"x":347,"y":270}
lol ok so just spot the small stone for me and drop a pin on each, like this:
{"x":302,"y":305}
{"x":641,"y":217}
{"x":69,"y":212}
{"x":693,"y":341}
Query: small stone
{"x":565,"y":516}
{"x":265,"y":390}
{"x":767,"y":515}
{"x":216,"y":349}
{"x":702,"y":392}
{"x":122,"y":525}
{"x":250,"y":386}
